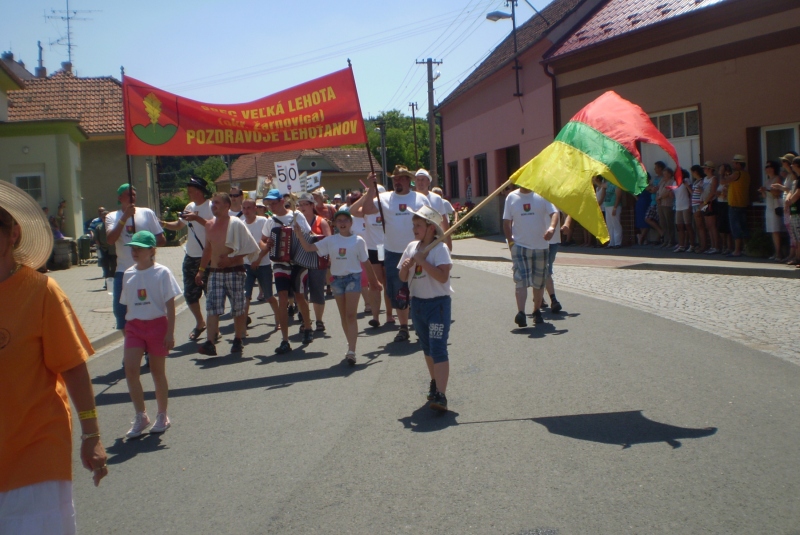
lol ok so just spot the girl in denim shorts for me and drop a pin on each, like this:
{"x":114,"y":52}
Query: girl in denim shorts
{"x":428,"y":277}
{"x":348,"y":254}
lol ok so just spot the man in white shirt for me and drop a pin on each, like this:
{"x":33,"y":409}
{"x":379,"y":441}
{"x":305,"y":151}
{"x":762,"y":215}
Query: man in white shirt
{"x":259,"y":269}
{"x":237,"y":196}
{"x":287,"y":275}
{"x":195,"y":216}
{"x":397,"y":209}
{"x":529,"y":222}
{"x":120,"y":228}
{"x":422,"y":183}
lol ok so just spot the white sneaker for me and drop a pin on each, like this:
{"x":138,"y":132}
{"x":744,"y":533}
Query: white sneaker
{"x":140,"y":423}
{"x":162,"y":423}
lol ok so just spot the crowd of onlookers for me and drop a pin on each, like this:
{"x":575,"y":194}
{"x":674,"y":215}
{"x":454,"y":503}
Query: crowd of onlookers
{"x":707,"y":212}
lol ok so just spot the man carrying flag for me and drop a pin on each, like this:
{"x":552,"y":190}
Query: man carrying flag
{"x":529,"y":222}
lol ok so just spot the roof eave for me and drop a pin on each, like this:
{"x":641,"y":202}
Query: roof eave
{"x":46,"y":127}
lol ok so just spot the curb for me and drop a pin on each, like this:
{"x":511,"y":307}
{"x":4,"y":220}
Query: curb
{"x":741,"y":271}
{"x":109,"y":338}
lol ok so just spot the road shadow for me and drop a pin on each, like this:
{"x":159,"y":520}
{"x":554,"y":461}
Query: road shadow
{"x":124,"y":450}
{"x":539,"y":331}
{"x":620,"y":428}
{"x":208,"y":363}
{"x":266,"y":383}
{"x":425,"y":420}
{"x":561,"y":315}
{"x":294,"y":355}
{"x":394,"y":349}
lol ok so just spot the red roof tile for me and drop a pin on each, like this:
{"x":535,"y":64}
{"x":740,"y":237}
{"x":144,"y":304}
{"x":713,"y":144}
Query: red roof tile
{"x":619,"y":17}
{"x":528,"y":34}
{"x":345,"y":160}
{"x":95,"y":102}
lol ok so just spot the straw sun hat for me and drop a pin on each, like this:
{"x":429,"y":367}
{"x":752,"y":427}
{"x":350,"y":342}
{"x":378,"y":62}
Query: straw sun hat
{"x":36,"y":244}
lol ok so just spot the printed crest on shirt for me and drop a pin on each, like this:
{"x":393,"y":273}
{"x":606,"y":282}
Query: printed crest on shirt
{"x":418,"y":271}
{"x":526,"y":207}
{"x":379,"y":219}
{"x":342,"y":251}
{"x":403,"y":207}
{"x":142,"y":294}
{"x":129,"y":229}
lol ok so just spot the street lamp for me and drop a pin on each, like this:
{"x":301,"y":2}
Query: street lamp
{"x":494,"y":16}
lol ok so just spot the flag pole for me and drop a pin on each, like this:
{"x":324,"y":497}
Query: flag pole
{"x":371,"y":165}
{"x":128,"y":156}
{"x":471,"y":213}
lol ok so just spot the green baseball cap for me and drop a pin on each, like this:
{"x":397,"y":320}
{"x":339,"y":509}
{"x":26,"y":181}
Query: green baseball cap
{"x":123,"y":188}
{"x":342,"y":212}
{"x":144,"y":239}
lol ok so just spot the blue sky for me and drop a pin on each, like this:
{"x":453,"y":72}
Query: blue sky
{"x":238,"y":51}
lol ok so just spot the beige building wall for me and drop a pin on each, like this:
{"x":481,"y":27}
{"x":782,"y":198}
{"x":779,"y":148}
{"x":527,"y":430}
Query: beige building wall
{"x":57,"y":158}
{"x":105,"y":168}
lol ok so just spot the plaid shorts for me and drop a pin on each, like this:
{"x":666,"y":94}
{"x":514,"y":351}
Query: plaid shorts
{"x":652,"y":213}
{"x":225,"y":284}
{"x":530,"y":266}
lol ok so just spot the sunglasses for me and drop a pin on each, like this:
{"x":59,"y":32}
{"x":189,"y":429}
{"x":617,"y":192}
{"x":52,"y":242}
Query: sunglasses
{"x":236,"y":194}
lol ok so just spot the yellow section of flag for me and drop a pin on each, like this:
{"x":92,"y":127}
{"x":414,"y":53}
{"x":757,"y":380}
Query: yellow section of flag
{"x":563,"y":175}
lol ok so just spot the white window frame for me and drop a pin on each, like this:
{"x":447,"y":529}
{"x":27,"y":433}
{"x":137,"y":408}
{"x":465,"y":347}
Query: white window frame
{"x":16,"y":176}
{"x":657,"y":114}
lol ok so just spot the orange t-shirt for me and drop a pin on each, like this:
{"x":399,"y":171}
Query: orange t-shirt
{"x":40,"y":337}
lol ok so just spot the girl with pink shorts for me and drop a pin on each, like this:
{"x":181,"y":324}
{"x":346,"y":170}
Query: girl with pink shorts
{"x":149,"y":291}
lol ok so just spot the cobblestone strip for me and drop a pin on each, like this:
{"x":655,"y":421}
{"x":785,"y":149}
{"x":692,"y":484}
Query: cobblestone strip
{"x":760,"y":312}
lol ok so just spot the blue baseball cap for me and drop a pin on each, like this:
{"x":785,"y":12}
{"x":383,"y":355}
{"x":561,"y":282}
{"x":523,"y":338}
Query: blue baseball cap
{"x":274,"y":195}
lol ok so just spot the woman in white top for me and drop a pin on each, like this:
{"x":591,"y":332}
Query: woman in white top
{"x":348,"y":254}
{"x":773,"y":214}
{"x":786,"y":188}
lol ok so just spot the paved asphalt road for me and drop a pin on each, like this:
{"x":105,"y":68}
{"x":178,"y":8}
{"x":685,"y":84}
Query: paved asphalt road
{"x":604,"y":420}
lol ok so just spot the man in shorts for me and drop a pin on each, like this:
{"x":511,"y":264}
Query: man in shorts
{"x":195,"y":216}
{"x":529,"y":222}
{"x":287,"y":275}
{"x":228,"y":242}
{"x":398,"y":208}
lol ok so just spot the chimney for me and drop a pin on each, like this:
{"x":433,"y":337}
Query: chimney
{"x":41,"y":72}
{"x":66,"y":66}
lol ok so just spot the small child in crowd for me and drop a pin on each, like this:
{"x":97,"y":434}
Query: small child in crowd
{"x":428,"y":277}
{"x":348,"y":254}
{"x":149,"y":291}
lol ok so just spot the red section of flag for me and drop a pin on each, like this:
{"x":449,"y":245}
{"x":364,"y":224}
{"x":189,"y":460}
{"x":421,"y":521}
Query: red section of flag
{"x":627,"y":124}
{"x":321,"y":113}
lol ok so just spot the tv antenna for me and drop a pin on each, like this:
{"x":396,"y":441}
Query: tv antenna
{"x":67,"y":15}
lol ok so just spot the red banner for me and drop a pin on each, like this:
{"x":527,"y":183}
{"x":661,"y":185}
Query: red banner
{"x":321,"y":113}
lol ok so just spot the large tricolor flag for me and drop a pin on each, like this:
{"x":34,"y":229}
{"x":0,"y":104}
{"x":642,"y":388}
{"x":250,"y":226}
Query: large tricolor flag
{"x":601,"y":139}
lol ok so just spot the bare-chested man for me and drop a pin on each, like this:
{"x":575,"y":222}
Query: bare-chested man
{"x":228,"y":242}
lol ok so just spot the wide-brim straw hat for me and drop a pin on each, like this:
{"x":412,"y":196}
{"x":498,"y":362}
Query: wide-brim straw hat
{"x":431,"y":216}
{"x":36,"y":244}
{"x":401,"y":170}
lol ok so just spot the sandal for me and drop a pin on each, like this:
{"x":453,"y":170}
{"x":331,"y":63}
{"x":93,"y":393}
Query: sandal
{"x":351,"y":357}
{"x":402,"y":335}
{"x":196,"y":334}
{"x":320,"y":326}
{"x":374,"y":323}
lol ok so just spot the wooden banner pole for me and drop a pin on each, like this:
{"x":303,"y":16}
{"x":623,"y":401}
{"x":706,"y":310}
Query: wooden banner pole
{"x":471,"y":213}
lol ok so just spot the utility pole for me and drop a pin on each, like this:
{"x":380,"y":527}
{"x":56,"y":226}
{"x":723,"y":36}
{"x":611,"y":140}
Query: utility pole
{"x":382,"y":126}
{"x":414,"y":123}
{"x":431,"y":119}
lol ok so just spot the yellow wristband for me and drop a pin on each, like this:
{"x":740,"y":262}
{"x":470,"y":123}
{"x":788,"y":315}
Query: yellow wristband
{"x":87,"y":415}
{"x":511,"y":243}
{"x":201,"y":269}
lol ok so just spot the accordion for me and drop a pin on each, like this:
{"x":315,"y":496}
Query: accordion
{"x":281,"y":250}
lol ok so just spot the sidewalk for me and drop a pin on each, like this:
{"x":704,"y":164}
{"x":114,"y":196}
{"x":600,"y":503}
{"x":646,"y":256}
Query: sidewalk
{"x":494,"y":248}
{"x":84,"y":287}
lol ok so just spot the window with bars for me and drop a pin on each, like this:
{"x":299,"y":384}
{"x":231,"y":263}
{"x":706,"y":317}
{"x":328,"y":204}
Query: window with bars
{"x":678,"y":124}
{"x":482,"y":169}
{"x":32,"y":184}
{"x":452,"y":171}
